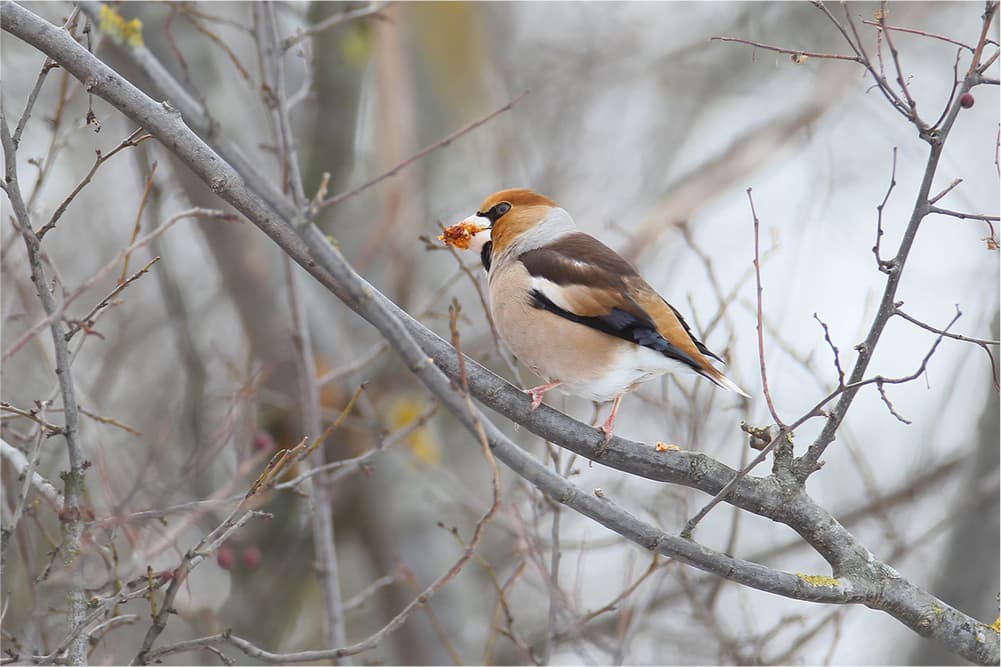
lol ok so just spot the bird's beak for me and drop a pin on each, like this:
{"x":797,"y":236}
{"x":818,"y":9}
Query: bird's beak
{"x":471,"y":233}
{"x":478,"y":221}
{"x":480,"y":238}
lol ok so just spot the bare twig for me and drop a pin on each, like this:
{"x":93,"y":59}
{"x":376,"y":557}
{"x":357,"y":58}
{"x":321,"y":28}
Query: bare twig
{"x":110,"y":422}
{"x":879,"y":214}
{"x":104,"y":270}
{"x":792,"y":52}
{"x":809,"y":462}
{"x":760,"y":316}
{"x":35,"y":415}
{"x":321,"y":499}
{"x":946,"y":191}
{"x":322,"y":514}
{"x":943,"y":332}
{"x":834,"y":349}
{"x":275,"y":67}
{"x":337,"y":199}
{"x":901,"y":79}
{"x":889,"y":405}
{"x":372,"y":9}
{"x":139,"y":217}
{"x":71,"y":519}
{"x":961,"y":215}
{"x":22,"y":466}
{"x":130,"y":141}
{"x":86,"y":323}
{"x":882,"y":26}
{"x":366,"y":594}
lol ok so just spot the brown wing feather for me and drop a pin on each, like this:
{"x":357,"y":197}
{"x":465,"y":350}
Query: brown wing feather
{"x":669,"y":324}
{"x":592,"y":284}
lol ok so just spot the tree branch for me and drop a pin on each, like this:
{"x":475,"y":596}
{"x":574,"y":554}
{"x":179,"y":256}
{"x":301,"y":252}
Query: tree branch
{"x":73,"y":490}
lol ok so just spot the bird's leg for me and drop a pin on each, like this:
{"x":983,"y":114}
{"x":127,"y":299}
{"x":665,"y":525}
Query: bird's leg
{"x":609,"y":424}
{"x":536,"y":393}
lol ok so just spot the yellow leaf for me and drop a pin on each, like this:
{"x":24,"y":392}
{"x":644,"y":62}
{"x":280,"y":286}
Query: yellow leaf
{"x":133,"y":32}
{"x":121,"y":31}
{"x":404,"y":412}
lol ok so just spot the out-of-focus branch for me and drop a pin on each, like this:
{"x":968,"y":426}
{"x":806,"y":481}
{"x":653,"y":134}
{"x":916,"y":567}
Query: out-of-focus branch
{"x":861,"y":578}
{"x":130,"y":141}
{"x":797,"y":54}
{"x":100,"y":273}
{"x":19,"y":461}
{"x":372,"y":9}
{"x":441,"y":143}
{"x":322,"y":515}
{"x":73,"y":490}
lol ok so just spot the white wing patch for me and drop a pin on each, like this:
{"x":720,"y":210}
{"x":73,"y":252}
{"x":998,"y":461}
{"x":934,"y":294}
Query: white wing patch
{"x":553,"y":292}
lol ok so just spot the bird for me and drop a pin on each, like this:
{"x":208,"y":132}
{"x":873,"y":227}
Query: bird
{"x":573,"y":310}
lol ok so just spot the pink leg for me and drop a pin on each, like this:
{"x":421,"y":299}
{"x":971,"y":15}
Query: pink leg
{"x":606,"y":428}
{"x":537,"y":392}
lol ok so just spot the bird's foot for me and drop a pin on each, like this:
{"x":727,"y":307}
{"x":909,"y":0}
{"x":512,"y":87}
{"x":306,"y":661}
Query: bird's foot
{"x":536,"y":393}
{"x":608,"y":426}
{"x":605,"y":428}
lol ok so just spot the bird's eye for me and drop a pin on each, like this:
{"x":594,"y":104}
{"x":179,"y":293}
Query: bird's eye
{"x":496,"y":212}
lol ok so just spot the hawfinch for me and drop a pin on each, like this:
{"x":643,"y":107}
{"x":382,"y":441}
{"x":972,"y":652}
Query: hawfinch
{"x":571,"y":309}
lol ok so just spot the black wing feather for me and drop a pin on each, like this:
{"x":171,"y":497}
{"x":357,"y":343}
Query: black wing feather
{"x":621,"y":324}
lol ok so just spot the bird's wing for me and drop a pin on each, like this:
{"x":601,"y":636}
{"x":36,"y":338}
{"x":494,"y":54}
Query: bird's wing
{"x":583,"y":280}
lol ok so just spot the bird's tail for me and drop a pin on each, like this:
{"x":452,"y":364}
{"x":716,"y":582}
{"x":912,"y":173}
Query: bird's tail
{"x":720,"y":380}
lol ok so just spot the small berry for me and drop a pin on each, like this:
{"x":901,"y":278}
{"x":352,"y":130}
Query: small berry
{"x":225,"y":557}
{"x":263,"y":441}
{"x":966,"y":100}
{"x":251,"y":558}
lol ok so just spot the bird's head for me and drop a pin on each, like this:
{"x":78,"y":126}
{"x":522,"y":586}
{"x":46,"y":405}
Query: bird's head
{"x":515,"y":217}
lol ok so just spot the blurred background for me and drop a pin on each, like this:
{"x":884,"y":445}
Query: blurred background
{"x":649,"y":134}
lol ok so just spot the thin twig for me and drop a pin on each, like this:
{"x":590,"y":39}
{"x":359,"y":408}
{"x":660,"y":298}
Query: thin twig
{"x":945,"y":191}
{"x":834,"y":349}
{"x":35,"y":415}
{"x":963,"y":216}
{"x":889,"y":405}
{"x":86,"y":323}
{"x":139,"y":217}
{"x":69,"y":299}
{"x":373,"y":9}
{"x":942,"y":332}
{"x":337,"y":199}
{"x":901,"y":79}
{"x":73,"y":480}
{"x":130,"y":141}
{"x":22,"y":466}
{"x":760,"y":316}
{"x":880,"y":262}
{"x":275,"y":66}
{"x":882,"y":26}
{"x":791,"y":52}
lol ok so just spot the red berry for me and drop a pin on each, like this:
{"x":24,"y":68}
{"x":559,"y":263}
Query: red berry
{"x":251,"y":558}
{"x":225,"y":557}
{"x":966,"y":100}
{"x":263,"y":441}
